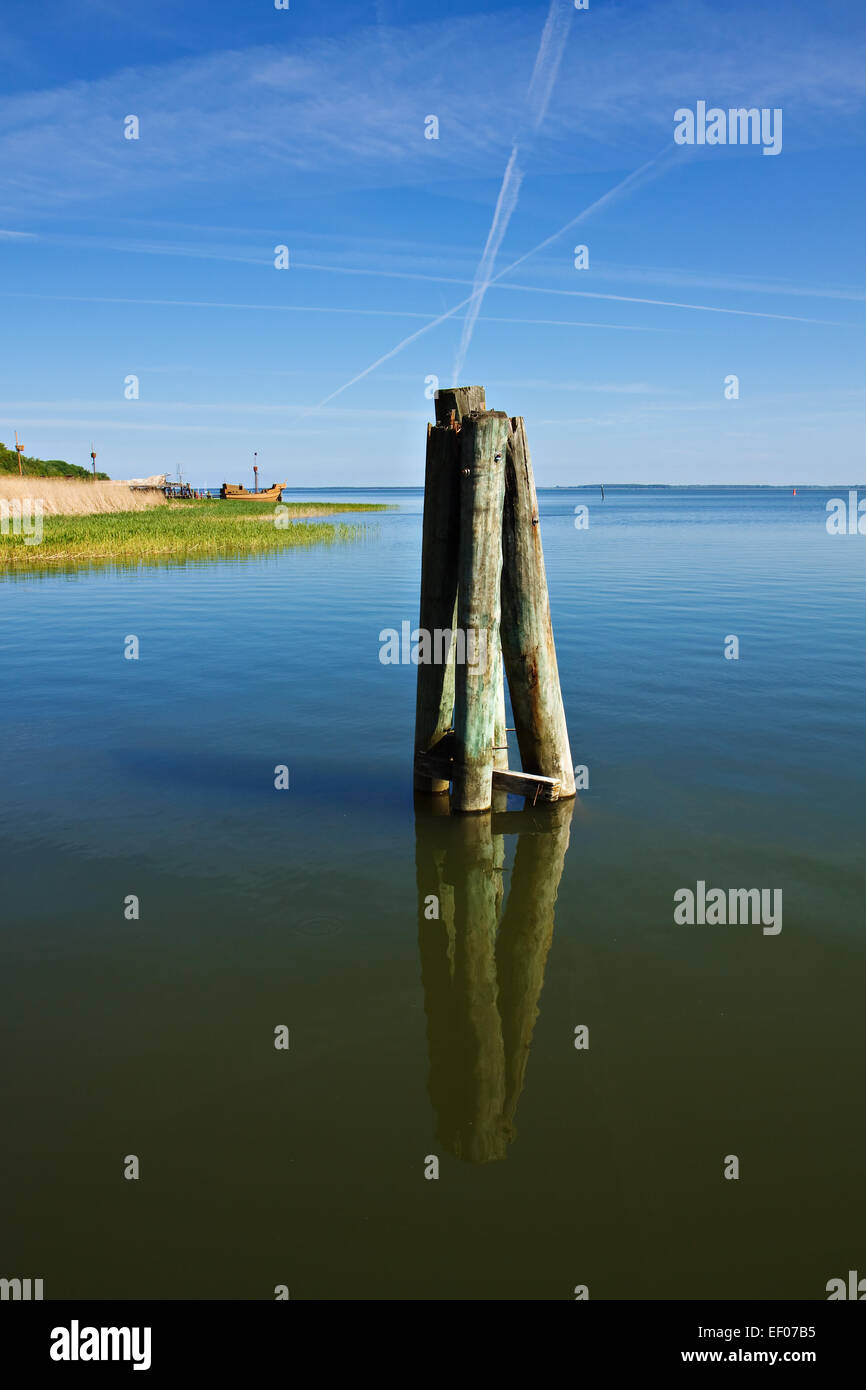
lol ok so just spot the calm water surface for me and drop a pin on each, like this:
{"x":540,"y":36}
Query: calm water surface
{"x":409,"y":1037}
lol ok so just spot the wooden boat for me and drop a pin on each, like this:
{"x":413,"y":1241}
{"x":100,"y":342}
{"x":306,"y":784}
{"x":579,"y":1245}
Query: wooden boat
{"x":233,"y":492}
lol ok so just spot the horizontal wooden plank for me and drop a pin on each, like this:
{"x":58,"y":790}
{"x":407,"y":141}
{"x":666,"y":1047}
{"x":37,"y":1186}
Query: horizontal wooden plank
{"x":439,"y":763}
{"x":527,"y":784}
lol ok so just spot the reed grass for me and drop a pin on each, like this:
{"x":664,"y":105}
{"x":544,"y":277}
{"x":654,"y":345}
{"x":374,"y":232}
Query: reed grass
{"x":61,"y":497}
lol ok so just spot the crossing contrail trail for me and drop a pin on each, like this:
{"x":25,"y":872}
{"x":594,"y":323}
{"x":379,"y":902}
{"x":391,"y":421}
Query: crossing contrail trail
{"x":505,"y":205}
{"x":651,"y":169}
{"x":541,"y":84}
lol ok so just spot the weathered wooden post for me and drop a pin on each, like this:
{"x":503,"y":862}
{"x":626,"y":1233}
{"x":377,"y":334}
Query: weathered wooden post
{"x":434,"y":706}
{"x":479,"y":571}
{"x":483,"y":569}
{"x":434,"y":703}
{"x":527,"y":631}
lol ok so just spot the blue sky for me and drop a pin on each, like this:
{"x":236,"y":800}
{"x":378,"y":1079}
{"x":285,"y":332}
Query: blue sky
{"x":306,"y":127}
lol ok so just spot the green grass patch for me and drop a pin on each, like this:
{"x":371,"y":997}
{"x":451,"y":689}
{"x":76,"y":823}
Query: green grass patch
{"x":179,"y":530}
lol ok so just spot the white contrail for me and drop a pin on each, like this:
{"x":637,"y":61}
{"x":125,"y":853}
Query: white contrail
{"x":505,"y":205}
{"x":319,"y":309}
{"x":547,"y":61}
{"x":671,"y":304}
{"x":541,"y":84}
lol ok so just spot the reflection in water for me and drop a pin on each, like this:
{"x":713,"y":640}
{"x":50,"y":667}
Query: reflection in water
{"x":482,"y":985}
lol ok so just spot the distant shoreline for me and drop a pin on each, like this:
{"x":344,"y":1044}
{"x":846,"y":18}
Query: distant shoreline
{"x":612,"y":487}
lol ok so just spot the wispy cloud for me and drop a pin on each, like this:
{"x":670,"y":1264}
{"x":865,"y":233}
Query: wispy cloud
{"x":332,"y":114}
{"x":255,"y":112}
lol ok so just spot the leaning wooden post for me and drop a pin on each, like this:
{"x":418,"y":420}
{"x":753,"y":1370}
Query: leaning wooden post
{"x":526,"y":629}
{"x":434,"y":703}
{"x":482,"y":487}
